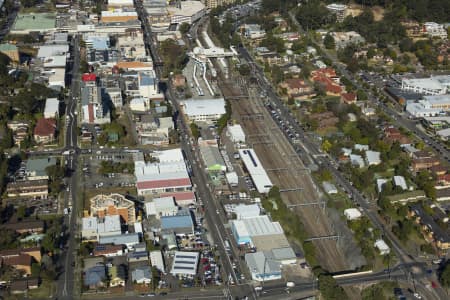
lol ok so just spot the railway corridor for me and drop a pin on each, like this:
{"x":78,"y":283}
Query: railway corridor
{"x":287,"y":171}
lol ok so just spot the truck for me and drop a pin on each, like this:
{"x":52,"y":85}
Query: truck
{"x":66,"y":211}
{"x":290,"y":284}
{"x":227,"y":246}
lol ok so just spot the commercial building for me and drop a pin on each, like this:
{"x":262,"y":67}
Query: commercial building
{"x":338,"y":9}
{"x":429,"y":106}
{"x":157,"y":260}
{"x":434,"y":85}
{"x":203,"y":110}
{"x":131,"y":45}
{"x":179,"y":224}
{"x":186,"y":12}
{"x":434,"y":29}
{"x":111,"y":205}
{"x":253,"y":31}
{"x":118,"y":15}
{"x":213,"y":160}
{"x":37,"y":189}
{"x":244,"y":211}
{"x":129,"y":239}
{"x":120,"y":3}
{"x":168,"y":175}
{"x":51,"y":108}
{"x":245,"y":229}
{"x":93,"y":110}
{"x":35,"y":168}
{"x":236,"y":133}
{"x":217,"y":3}
{"x":185,"y":264}
{"x":256,"y":170}
{"x":261,"y":268}
{"x":159,"y":207}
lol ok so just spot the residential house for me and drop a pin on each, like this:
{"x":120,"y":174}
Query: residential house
{"x":17,"y":260}
{"x":296,"y":88}
{"x":141,"y":275}
{"x":117,"y":275}
{"x":25,"y":226}
{"x":373,"y":158}
{"x":392,"y":135}
{"x":431,"y":230}
{"x":426,"y":163}
{"x":20,"y":130}
{"x":325,"y":119}
{"x":45,"y":131}
{"x":348,"y":98}
{"x":108,"y":250}
{"x":328,"y":79}
{"x":95,"y":277}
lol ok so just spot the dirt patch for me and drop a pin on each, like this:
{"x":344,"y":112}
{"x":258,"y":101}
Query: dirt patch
{"x":355,"y":10}
{"x":296,"y":273}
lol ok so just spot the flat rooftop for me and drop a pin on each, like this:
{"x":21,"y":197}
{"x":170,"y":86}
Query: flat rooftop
{"x":35,"y":22}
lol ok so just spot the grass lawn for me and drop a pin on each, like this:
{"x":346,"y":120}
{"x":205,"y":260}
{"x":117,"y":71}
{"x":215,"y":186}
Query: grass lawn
{"x":46,"y":290}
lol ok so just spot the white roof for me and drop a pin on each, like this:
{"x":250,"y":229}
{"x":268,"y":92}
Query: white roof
{"x":400,"y":181}
{"x":232,"y":178}
{"x":380,"y":182}
{"x":329,"y":187}
{"x":118,"y":13}
{"x":89,"y":223}
{"x":428,"y":83}
{"x":187,"y":8}
{"x":55,"y":61}
{"x":172,"y":155}
{"x":346,"y":151}
{"x":138,"y":227}
{"x":257,"y":172}
{"x":357,"y":160}
{"x":52,"y":50}
{"x":157,"y":260}
{"x":236,"y":133}
{"x":438,"y":99}
{"x":382,"y":246}
{"x":51,"y":106}
{"x":57,"y":77}
{"x":185,"y":263}
{"x":111,"y":224}
{"x":243,"y":211}
{"x":257,"y":226}
{"x":352,"y":213}
{"x":206,"y":107}
{"x":361,"y":147}
{"x":164,"y":205}
{"x":444,"y":132}
{"x":373,"y":157}
{"x":120,"y":2}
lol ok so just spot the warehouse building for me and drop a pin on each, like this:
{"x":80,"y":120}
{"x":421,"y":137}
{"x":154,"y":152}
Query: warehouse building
{"x":159,"y":207}
{"x":203,"y":110}
{"x":261,"y":268}
{"x":157,"y":260}
{"x":236,"y":133}
{"x":179,"y":224}
{"x":244,"y":230}
{"x":256,"y":170}
{"x":166,"y":176}
{"x":435,"y":85}
{"x":185,"y":264}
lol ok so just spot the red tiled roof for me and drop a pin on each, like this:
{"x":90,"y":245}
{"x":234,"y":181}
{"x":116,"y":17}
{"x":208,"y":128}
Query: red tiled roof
{"x":328,"y":72}
{"x":445,"y":177}
{"x":45,"y":127}
{"x":180,"y":196}
{"x":88,"y":77}
{"x":156,"y":184}
{"x":330,"y":85}
{"x":349,"y":97}
{"x":19,"y":260}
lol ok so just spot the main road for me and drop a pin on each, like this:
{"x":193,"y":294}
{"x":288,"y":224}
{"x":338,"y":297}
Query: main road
{"x":66,"y":278}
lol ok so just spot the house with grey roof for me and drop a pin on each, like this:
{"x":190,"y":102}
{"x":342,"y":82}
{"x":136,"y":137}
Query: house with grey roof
{"x":95,"y":277}
{"x":142,"y":275}
{"x":35,"y":167}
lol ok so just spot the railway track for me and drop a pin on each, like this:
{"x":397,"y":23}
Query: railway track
{"x":288,"y":173}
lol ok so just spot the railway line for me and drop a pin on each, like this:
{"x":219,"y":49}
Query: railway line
{"x":286,"y":171}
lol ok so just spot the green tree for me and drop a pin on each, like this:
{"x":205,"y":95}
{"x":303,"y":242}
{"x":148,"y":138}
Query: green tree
{"x":330,"y":289}
{"x":329,"y":42}
{"x":444,"y":276}
{"x":195,"y":130}
{"x":184,"y":28}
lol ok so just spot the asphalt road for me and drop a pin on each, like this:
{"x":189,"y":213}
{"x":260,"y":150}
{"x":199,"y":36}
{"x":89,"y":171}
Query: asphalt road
{"x":65,"y":286}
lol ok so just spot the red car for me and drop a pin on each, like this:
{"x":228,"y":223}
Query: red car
{"x":434,"y":285}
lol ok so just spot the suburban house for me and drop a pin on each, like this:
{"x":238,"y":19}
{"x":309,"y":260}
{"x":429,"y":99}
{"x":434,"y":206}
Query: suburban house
{"x":45,"y":131}
{"x":142,"y":275}
{"x":18,"y":260}
{"x":392,"y":135}
{"x":296,"y":88}
{"x":348,"y":98}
